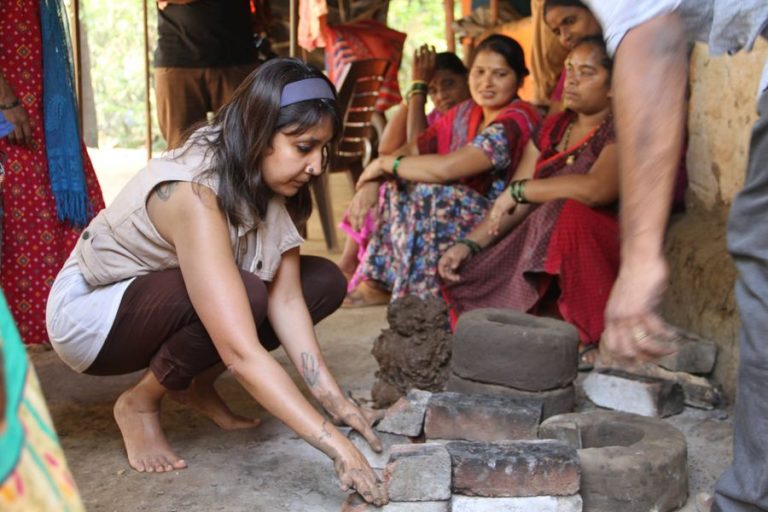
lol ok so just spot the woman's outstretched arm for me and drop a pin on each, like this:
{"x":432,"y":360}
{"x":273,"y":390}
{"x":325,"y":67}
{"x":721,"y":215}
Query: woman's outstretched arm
{"x":188,"y":217}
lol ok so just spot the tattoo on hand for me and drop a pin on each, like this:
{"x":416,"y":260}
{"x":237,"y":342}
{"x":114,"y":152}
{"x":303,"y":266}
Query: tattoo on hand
{"x":324,"y":433}
{"x":164,"y":190}
{"x":309,"y":369}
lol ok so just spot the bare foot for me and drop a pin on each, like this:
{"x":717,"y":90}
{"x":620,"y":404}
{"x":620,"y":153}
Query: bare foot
{"x":203,"y":397}
{"x":148,"y":449}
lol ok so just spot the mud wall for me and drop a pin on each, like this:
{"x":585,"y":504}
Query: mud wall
{"x":722,"y":110}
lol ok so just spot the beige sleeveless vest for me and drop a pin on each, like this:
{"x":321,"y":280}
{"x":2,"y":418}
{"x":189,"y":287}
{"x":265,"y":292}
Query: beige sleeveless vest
{"x":121,"y":241}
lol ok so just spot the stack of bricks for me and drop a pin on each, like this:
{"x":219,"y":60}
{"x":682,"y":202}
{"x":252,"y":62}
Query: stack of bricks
{"x":661,"y":389}
{"x":517,"y":355}
{"x":448,"y":452}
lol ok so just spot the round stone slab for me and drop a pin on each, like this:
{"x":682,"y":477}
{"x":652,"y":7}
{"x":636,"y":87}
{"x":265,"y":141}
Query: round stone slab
{"x":510,"y":348}
{"x":629,"y":463}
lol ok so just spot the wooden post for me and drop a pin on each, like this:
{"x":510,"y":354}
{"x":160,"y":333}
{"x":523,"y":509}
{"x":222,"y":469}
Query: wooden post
{"x":147,"y":89}
{"x":78,"y":61}
{"x":293,"y":49}
{"x":450,"y":35}
{"x":466,"y":42}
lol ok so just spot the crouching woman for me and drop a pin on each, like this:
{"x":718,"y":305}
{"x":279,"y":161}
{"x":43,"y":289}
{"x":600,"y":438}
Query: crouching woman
{"x":196,"y":263}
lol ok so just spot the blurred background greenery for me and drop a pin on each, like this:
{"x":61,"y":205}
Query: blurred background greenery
{"x":115,"y":38}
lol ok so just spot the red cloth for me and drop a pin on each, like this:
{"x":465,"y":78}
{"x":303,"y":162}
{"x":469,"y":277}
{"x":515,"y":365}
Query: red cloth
{"x":34,"y":243}
{"x":365,"y":39}
{"x":563,"y":248}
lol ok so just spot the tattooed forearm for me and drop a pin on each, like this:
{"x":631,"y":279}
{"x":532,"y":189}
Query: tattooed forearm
{"x":164,"y":190}
{"x":309,"y":369}
{"x":324,"y":433}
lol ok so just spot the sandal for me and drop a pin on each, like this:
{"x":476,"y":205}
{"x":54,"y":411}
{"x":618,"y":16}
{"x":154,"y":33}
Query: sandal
{"x":584,"y":365}
{"x":365,"y":295}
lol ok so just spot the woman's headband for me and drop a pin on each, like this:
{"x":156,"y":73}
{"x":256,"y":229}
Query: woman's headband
{"x":307,"y":89}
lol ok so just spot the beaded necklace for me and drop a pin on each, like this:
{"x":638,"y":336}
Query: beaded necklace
{"x":567,"y":137}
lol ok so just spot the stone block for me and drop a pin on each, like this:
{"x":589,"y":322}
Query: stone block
{"x":354,"y":503}
{"x":419,"y":472}
{"x":694,"y":355}
{"x":698,"y":391}
{"x":647,"y":396}
{"x":481,"y":417}
{"x":554,"y":401}
{"x":525,"y":504}
{"x":629,"y":463}
{"x":377,"y":460}
{"x":510,"y":348}
{"x":516,"y":469}
{"x":406,"y":416}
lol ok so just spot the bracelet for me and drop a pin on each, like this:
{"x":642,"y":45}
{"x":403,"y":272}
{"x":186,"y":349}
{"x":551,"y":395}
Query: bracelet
{"x":15,"y":103}
{"x":474,"y":247}
{"x":396,"y":164}
{"x":419,"y":82}
{"x":411,"y":93}
{"x":517,"y":191}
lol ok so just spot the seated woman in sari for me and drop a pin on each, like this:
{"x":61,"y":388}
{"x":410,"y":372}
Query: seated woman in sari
{"x":446,"y":181}
{"x":441,"y":76}
{"x":550,"y":244}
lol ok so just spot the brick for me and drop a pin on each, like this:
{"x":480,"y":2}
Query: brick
{"x":629,"y":463}
{"x":481,"y":417}
{"x":516,"y":469}
{"x":419,"y":472}
{"x":510,"y":348}
{"x":354,"y":503}
{"x":698,"y":391}
{"x":525,"y":504}
{"x":621,"y":391}
{"x":554,"y":401}
{"x":406,"y":416}
{"x":377,"y":460}
{"x":694,"y":355}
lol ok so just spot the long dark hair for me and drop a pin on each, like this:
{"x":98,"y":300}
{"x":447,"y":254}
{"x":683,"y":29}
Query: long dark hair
{"x":507,"y":48}
{"x":242,"y":132}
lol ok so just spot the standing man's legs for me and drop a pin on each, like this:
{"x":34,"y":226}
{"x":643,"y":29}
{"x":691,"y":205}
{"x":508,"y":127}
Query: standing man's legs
{"x":744,"y":485}
{"x":222,"y":82}
{"x":182,"y":100}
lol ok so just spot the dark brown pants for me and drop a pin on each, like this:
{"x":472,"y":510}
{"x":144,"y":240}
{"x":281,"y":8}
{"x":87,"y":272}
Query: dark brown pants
{"x":157,"y":327}
{"x":185,"y":96}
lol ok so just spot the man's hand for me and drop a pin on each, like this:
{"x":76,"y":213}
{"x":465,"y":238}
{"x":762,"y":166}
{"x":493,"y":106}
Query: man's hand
{"x":633,"y":329}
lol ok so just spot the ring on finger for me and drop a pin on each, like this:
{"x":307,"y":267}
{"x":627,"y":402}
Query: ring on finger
{"x":639,"y":334}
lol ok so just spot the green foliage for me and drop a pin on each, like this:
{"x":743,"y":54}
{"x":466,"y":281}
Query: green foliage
{"x":115,"y":32}
{"x":116,"y":40}
{"x":424,"y":22}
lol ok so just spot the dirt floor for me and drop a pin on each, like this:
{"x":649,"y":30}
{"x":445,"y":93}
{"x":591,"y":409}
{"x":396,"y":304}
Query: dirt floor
{"x":266,"y":469}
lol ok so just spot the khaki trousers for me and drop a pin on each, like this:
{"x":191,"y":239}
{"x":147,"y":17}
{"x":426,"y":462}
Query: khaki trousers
{"x":184,"y":96}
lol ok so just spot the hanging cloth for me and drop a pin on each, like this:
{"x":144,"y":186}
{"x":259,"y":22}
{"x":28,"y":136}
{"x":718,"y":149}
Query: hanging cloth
{"x":60,"y":118}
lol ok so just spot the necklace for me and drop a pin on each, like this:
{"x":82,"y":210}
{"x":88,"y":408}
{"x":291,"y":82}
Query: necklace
{"x":567,"y":138}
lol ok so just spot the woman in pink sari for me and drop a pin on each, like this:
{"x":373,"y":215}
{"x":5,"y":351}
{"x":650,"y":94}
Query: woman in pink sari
{"x":446,"y":181}
{"x":442,"y":77}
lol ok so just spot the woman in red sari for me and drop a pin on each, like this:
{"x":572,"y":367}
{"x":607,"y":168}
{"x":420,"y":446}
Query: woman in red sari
{"x":551,"y":242}
{"x":41,"y":203}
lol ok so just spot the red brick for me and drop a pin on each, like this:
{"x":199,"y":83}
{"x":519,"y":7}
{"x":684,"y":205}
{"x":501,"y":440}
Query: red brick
{"x":482,"y":417}
{"x":522,"y":468}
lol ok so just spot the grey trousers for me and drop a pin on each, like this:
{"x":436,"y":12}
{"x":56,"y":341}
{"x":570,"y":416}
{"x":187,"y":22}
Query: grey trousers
{"x":744,"y":485}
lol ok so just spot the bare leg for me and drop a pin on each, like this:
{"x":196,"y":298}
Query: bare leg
{"x":348,"y":261}
{"x":137,"y":412}
{"x":203,"y":397}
